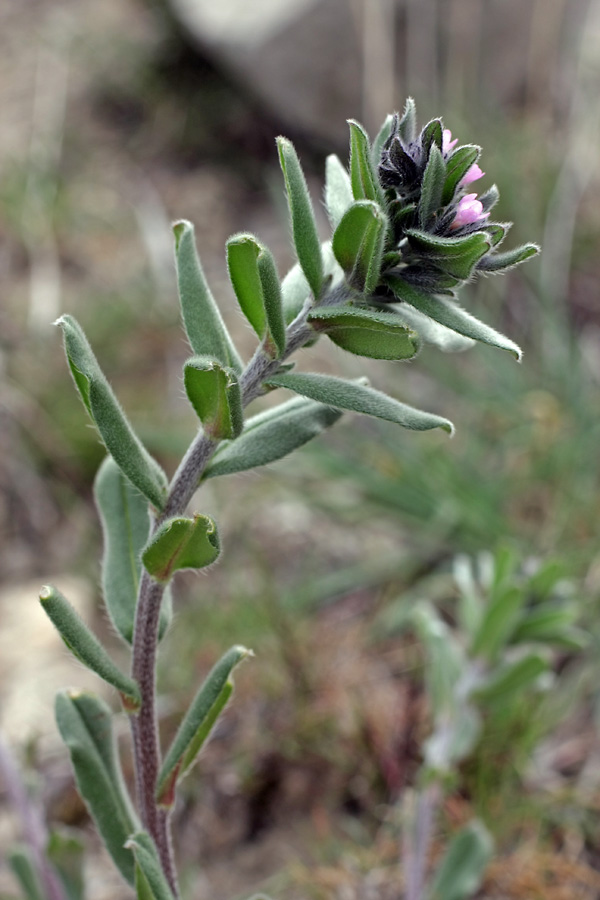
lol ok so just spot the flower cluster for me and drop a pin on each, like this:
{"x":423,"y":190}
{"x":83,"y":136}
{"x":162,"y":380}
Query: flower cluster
{"x":426,"y":178}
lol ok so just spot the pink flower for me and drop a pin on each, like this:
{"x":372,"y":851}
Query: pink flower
{"x":472,"y":174}
{"x":447,"y":143}
{"x":469,"y":211}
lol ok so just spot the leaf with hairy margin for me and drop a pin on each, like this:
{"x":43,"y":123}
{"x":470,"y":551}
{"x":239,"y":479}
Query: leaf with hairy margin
{"x":271,"y":435}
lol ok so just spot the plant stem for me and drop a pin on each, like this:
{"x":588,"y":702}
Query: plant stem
{"x":145,"y":641}
{"x":417,"y":840}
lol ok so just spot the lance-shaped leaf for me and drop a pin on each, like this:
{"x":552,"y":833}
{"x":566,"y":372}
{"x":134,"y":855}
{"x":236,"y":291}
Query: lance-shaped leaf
{"x":271,"y":435}
{"x":432,"y":332}
{"x":497,"y":231}
{"x":450,"y":314}
{"x":198,"y":722}
{"x":366,"y":332}
{"x":358,"y":244}
{"x":214,"y":392}
{"x":440,"y":248}
{"x":498,"y":623}
{"x":499,"y":262}
{"x":116,"y":432}
{"x":125,"y":527}
{"x":304,"y":227}
{"x":461,"y":872}
{"x":432,"y":187}
{"x":242,"y":254}
{"x":181,"y":543}
{"x":359,"y":398}
{"x":20,"y":859}
{"x":512,"y":677}
{"x":457,"y":166}
{"x":551,"y":623}
{"x":85,"y":645}
{"x":85,"y":725}
{"x":382,"y":135}
{"x":271,"y":293}
{"x":455,"y":256}
{"x":432,"y":134}
{"x":363,"y":177}
{"x":256,"y":284}
{"x":204,"y":325}
{"x":66,"y":851}
{"x":489,"y":198}
{"x":445,"y":656}
{"x":150,"y":881}
{"x":407,"y":126}
{"x":338,"y":189}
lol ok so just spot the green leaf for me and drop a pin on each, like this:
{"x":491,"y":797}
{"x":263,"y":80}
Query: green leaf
{"x":511,"y":678}
{"x":338,"y":189}
{"x":125,"y":527}
{"x":457,"y":166}
{"x":271,"y":435}
{"x":456,"y":257}
{"x":443,"y":248}
{"x":304,"y":227}
{"x":204,"y":325}
{"x":256,"y":283}
{"x":271,"y":292}
{"x":86,"y":647}
{"x":499,"y":262}
{"x":116,"y":432}
{"x":66,"y":853}
{"x":242,"y":256}
{"x":358,"y":244}
{"x":432,"y":187}
{"x":215,"y":394}
{"x":382,"y":135}
{"x":366,"y":332}
{"x":85,"y":725}
{"x":454,"y":738}
{"x":432,"y":134}
{"x":363,"y":177}
{"x":432,"y":332}
{"x":452,"y":316}
{"x":461,"y":872}
{"x":407,"y":126}
{"x":489,"y":198}
{"x":181,"y":543}
{"x":498,"y":623}
{"x":150,"y":881}
{"x":546,"y":622}
{"x":497,"y":231}
{"x":446,"y":659}
{"x":21,"y":862}
{"x":198,"y":722}
{"x":357,"y":397}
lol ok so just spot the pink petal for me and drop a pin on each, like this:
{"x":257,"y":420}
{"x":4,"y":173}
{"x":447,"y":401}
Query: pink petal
{"x":447,"y":143}
{"x":469,"y":211}
{"x":472,"y":174}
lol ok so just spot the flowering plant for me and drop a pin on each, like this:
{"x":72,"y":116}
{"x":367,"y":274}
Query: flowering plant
{"x":406,"y":237}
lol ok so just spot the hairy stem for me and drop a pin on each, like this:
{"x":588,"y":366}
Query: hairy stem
{"x":145,"y":641}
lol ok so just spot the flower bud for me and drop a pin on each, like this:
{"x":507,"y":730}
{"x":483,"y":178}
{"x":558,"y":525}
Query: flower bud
{"x":468,"y":211}
{"x":473,"y":174}
{"x":447,"y":143}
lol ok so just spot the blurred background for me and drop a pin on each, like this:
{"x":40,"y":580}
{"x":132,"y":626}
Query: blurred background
{"x":120,"y":116}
